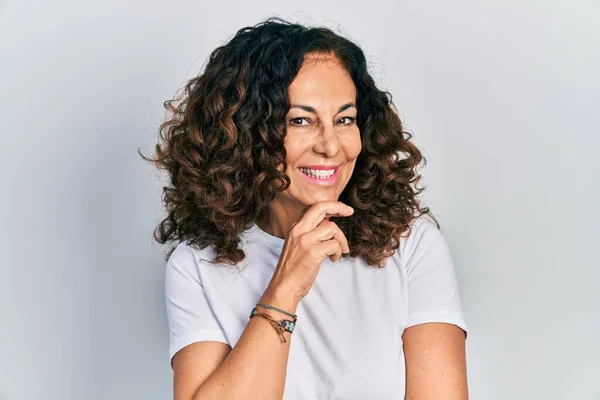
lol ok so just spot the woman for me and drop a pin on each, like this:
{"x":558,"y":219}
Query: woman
{"x":305,"y":266}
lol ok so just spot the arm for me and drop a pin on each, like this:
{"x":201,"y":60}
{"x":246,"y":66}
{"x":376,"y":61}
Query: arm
{"x":205,"y":366}
{"x":256,"y":366}
{"x":436,"y":365}
{"x":435,"y":333}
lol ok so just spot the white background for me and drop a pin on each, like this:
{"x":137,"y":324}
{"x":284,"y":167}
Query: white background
{"x":502,"y":96}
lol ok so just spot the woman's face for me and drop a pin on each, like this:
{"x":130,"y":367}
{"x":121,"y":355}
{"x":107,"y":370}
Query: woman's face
{"x":323,"y":140}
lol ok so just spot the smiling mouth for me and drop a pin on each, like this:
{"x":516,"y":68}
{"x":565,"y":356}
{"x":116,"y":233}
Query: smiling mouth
{"x":320,"y":176}
{"x":319,"y":173}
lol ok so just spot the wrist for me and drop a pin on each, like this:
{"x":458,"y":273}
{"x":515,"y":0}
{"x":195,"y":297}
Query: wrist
{"x":281,"y":298}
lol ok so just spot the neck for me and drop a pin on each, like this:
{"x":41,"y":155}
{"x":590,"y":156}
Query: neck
{"x":280,"y":217}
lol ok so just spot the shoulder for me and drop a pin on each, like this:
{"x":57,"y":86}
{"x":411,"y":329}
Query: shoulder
{"x":181,"y":252}
{"x":185,"y":260}
{"x":423,"y":231}
{"x":423,"y":238}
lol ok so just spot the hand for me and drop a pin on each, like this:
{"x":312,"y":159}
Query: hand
{"x":310,"y":241}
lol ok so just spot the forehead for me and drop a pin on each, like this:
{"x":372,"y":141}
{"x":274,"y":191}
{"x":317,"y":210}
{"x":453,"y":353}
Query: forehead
{"x":322,"y":80}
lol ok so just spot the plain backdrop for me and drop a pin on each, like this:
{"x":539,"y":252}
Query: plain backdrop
{"x":502,"y":96}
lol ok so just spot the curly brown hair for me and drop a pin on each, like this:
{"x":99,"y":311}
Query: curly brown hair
{"x":224,"y":140}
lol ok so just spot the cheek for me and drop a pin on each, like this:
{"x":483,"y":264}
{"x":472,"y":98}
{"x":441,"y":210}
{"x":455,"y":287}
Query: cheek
{"x":294,"y":149}
{"x":353,"y":146}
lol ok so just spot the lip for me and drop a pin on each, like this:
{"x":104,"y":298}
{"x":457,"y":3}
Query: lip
{"x":322,"y":182}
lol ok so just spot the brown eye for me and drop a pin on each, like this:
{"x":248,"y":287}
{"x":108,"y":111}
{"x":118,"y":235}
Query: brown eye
{"x":298,"y":119}
{"x":350,"y":120}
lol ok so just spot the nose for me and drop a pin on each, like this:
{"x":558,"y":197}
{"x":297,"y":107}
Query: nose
{"x":328,"y":142}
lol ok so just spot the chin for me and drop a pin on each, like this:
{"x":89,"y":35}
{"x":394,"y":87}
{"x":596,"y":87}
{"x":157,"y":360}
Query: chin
{"x":308,"y":196}
{"x":322,"y":197}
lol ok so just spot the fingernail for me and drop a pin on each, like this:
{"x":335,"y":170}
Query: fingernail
{"x":351,"y":209}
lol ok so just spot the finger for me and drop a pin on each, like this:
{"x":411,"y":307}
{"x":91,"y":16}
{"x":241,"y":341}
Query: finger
{"x":330,"y":248}
{"x":340,"y":237}
{"x":318,"y":211}
{"x":329,"y":230}
{"x":335,"y":257}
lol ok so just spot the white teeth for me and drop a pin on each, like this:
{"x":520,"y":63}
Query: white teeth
{"x":320,"y":174}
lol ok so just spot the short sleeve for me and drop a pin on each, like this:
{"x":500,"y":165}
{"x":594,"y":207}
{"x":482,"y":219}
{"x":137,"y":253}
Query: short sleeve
{"x":189,"y":314}
{"x":433,"y":292}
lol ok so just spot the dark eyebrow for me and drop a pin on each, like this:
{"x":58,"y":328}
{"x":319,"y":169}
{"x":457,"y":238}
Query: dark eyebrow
{"x":312,"y":110}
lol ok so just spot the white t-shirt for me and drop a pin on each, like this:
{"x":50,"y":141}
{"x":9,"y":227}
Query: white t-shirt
{"x":347,"y":343}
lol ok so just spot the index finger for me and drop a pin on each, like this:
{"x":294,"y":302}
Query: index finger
{"x":318,"y":211}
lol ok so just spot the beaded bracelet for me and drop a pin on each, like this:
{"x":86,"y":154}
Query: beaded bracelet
{"x":281,"y":326}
